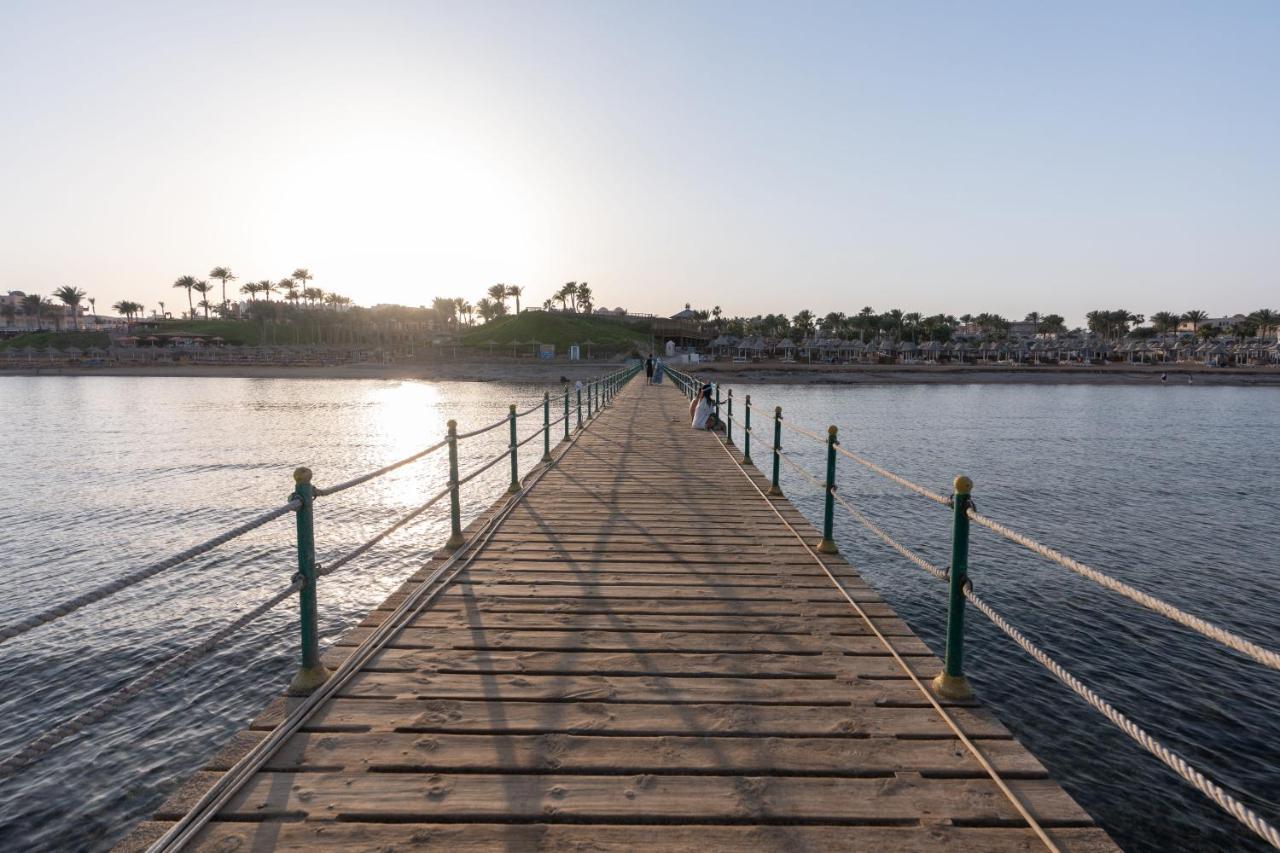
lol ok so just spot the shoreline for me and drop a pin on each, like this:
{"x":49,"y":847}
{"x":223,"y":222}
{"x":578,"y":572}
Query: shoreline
{"x":795,"y":374}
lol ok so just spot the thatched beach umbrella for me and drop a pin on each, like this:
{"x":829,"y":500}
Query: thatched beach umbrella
{"x":587,"y":343}
{"x":492,"y":343}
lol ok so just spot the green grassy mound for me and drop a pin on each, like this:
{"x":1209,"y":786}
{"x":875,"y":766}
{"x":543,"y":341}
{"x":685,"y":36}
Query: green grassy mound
{"x":58,"y":340}
{"x":559,"y":329}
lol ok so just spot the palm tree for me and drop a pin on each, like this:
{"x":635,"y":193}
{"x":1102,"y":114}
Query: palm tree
{"x":301,"y":275}
{"x":584,"y":298}
{"x":267,"y":287}
{"x":803,"y":323}
{"x":1195,"y":318}
{"x":71,"y":296}
{"x":486,"y":307}
{"x":498,"y":293}
{"x":912,"y":321}
{"x":466,"y":309}
{"x":569,"y":296}
{"x":225,"y":274}
{"x":125,"y":307}
{"x":549,"y":304}
{"x":162,"y":310}
{"x":312,"y":294}
{"x":203,"y":288}
{"x":515,"y":291}
{"x":1266,"y":320}
{"x":250,"y":289}
{"x":1165,"y":321}
{"x":33,"y":306}
{"x":188,"y":284}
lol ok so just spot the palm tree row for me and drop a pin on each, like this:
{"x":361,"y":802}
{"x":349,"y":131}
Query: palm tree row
{"x":1110,"y":325}
{"x":293,"y":289}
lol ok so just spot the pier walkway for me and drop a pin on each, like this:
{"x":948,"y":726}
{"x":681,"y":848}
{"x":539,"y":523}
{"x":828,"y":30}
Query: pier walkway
{"x":642,"y":655}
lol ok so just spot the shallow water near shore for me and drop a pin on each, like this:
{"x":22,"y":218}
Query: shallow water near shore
{"x":1175,"y":490}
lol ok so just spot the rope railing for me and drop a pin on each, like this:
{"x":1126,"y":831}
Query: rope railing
{"x":1259,"y":653}
{"x":386,"y":469}
{"x":108,"y":589}
{"x":34,"y":749}
{"x":332,"y":566}
{"x":600,"y":393}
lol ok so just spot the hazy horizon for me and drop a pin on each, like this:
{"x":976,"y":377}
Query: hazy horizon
{"x":765,"y":158}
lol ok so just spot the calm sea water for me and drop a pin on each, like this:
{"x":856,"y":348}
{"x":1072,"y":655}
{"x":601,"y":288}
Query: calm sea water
{"x":1176,"y":490}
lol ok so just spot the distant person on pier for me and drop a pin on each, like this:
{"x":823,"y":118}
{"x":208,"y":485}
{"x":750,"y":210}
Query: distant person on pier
{"x":648,"y":369}
{"x":702,"y":410}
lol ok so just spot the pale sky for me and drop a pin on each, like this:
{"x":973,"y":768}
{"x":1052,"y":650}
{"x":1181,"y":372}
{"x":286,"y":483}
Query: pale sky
{"x":936,"y":157}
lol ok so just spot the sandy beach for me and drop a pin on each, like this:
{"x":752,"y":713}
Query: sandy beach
{"x":507,"y":370}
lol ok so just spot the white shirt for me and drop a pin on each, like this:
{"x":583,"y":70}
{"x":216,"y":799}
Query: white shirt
{"x":701,"y":413}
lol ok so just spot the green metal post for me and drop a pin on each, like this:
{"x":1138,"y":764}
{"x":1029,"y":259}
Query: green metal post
{"x":566,"y":413}
{"x":591,"y":393}
{"x":728,"y":422}
{"x":774,"y":488}
{"x":746,"y":435}
{"x":952,"y":684}
{"x":579,"y":407}
{"x":312,"y":673}
{"x":828,"y":545}
{"x":455,"y":503}
{"x":546,"y":426}
{"x":515,"y":468}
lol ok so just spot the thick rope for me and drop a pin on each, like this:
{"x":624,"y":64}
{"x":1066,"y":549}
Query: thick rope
{"x":1168,"y":757}
{"x":483,"y":429}
{"x":47,"y":741}
{"x":331,"y":567}
{"x":364,"y":478}
{"x":1231,"y":640}
{"x":18,"y":628}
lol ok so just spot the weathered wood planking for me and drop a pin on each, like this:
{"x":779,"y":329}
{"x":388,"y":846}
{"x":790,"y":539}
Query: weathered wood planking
{"x":641,"y":657}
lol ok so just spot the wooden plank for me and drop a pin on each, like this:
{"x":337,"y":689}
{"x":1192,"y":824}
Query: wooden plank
{"x":583,"y":687}
{"x":385,"y":752}
{"x":650,"y":798}
{"x":497,"y":717}
{"x":624,"y":641}
{"x":353,"y":837}
{"x":629,"y":663}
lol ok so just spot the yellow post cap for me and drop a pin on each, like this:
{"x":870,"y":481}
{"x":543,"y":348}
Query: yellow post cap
{"x":453,"y":425}
{"x":513,"y":407}
{"x":962,"y":485}
{"x":302,"y":476}
{"x":831,"y":430}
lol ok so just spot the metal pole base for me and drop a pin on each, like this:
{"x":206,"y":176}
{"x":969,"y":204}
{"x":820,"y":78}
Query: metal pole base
{"x":308,"y":679}
{"x":746,"y":460}
{"x":826,"y":546}
{"x":513,"y":488}
{"x":952,"y":687}
{"x":546,"y":457}
{"x":774,"y":492}
{"x":455,"y":542}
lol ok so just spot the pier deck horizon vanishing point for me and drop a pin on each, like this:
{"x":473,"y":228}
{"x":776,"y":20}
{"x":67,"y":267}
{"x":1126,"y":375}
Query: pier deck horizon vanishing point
{"x":638,"y":651}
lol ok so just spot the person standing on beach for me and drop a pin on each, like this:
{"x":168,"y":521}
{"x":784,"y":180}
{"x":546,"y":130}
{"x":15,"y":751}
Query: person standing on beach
{"x":648,"y":369}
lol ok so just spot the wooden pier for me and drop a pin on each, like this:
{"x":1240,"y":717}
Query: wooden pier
{"x":642,"y":657}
